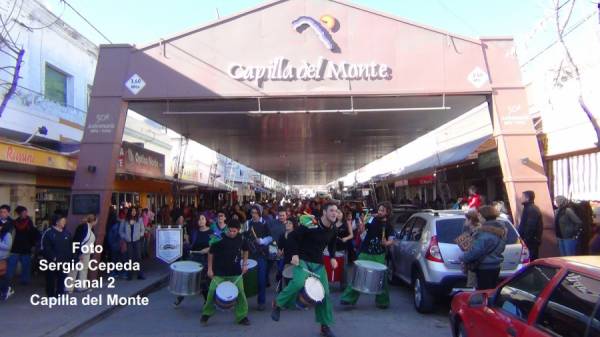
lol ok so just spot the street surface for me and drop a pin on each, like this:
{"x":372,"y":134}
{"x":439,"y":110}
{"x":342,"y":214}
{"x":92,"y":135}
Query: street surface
{"x":160,"y":319}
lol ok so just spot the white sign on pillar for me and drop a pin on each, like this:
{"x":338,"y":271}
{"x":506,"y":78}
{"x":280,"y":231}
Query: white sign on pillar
{"x":169,"y":244}
{"x":135,"y":84}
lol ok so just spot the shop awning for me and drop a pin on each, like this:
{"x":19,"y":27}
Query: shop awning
{"x":444,"y":158}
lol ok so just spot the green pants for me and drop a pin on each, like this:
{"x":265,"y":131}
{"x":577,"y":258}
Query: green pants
{"x":241,"y":307}
{"x":351,"y":296}
{"x":287,"y":297}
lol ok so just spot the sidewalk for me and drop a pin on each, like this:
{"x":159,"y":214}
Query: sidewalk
{"x":18,"y":318}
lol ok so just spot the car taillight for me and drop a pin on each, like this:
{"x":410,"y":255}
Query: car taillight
{"x":524,"y":253}
{"x":433,"y":252}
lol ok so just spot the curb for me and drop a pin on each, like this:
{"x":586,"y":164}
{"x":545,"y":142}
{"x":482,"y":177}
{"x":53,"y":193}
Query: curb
{"x":78,"y":329}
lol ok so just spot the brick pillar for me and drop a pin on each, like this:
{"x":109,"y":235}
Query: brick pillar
{"x":520,"y":157}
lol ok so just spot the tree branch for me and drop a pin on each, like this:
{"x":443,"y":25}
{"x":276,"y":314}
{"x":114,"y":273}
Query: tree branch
{"x":15,"y":81}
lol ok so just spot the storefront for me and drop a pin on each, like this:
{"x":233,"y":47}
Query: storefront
{"x":35,"y":178}
{"x":140,"y":179}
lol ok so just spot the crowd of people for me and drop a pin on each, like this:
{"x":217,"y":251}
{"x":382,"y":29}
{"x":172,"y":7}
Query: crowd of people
{"x":305,"y":233}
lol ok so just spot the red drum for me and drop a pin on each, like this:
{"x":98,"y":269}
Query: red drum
{"x":336,"y":275}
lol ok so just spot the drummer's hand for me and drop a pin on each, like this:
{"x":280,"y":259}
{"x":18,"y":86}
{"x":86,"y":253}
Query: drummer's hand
{"x":244,"y":268}
{"x":334,"y":263}
{"x":210,"y":273}
{"x":279,"y":252}
{"x":295,"y":260}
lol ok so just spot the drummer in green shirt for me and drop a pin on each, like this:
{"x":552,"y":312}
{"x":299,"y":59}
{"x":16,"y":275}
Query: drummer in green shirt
{"x":228,"y":261}
{"x":379,"y":235}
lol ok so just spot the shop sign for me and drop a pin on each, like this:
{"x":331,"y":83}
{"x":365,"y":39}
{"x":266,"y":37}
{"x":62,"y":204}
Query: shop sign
{"x":139,"y":161}
{"x":425,"y":180}
{"x":400,"y":183}
{"x":169,"y":244}
{"x":23,"y":155}
{"x":281,"y":69}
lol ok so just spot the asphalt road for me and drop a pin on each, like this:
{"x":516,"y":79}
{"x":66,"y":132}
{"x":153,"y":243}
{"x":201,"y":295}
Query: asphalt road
{"x":160,"y":319}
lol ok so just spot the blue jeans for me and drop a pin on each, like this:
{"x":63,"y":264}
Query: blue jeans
{"x":262,"y":270}
{"x":567,"y":247}
{"x":11,"y":269}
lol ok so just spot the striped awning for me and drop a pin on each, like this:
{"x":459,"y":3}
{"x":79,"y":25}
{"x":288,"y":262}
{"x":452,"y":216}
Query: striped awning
{"x":577,"y":177}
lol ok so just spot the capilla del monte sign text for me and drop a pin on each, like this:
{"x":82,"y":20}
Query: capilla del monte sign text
{"x":281,"y":69}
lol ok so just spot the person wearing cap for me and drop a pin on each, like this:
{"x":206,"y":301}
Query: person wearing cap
{"x":228,"y":261}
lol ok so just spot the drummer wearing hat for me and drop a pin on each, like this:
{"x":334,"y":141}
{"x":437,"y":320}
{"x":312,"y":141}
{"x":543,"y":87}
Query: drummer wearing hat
{"x":378,"y":236}
{"x":306,"y":245}
{"x":224,"y":265}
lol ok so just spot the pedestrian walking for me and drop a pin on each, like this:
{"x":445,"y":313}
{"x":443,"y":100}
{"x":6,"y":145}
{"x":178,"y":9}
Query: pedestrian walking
{"x":25,"y":239}
{"x":568,"y":227}
{"x":57,"y":247}
{"x":485,"y":256}
{"x":6,"y":241}
{"x":471,"y":226}
{"x":531,"y":225}
{"x":132,"y":232}
{"x":84,"y":235}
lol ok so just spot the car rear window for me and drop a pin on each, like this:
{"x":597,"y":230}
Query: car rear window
{"x":447,"y":230}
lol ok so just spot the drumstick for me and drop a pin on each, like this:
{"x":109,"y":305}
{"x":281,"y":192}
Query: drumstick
{"x":253,"y":232}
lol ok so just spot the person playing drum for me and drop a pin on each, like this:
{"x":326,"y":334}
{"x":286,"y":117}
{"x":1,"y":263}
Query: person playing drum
{"x":307,"y":244}
{"x":224,"y":265}
{"x":259,"y":238}
{"x":284,"y":251}
{"x":199,"y":246}
{"x":379,"y":234}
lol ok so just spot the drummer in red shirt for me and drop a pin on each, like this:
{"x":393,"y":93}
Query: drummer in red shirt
{"x":474,"y":200}
{"x":227,"y":261}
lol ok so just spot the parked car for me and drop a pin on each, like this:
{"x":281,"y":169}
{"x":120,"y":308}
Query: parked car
{"x":401,"y":213}
{"x":549,"y":297}
{"x":426,"y":257}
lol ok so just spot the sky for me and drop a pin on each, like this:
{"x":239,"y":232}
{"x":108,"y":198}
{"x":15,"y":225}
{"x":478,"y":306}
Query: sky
{"x":143,"y":21}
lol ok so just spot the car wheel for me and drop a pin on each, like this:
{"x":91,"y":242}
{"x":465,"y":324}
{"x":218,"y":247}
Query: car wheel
{"x":423,"y":299}
{"x":460,"y":331}
{"x":391,"y":276}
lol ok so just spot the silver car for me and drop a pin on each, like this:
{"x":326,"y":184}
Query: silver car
{"x":426,"y":257}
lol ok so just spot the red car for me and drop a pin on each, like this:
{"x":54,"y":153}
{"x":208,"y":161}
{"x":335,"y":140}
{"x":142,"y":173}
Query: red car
{"x":549,"y":297}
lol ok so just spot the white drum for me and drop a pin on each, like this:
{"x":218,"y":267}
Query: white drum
{"x":313,"y":292}
{"x":226,"y":295}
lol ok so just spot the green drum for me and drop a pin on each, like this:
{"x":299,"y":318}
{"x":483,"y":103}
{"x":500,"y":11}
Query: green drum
{"x":251,"y":279}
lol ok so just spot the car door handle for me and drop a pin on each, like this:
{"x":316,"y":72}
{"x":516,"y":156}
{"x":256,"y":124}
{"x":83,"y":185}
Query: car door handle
{"x":511,"y":332}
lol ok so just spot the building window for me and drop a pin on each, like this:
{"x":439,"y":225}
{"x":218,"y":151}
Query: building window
{"x":56,"y":85}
